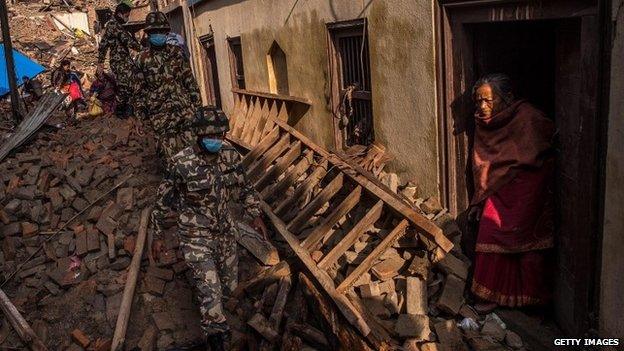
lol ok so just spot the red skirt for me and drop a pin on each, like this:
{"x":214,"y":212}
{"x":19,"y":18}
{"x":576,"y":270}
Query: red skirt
{"x":515,"y":231}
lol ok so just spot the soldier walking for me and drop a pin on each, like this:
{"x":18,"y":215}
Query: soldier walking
{"x":170,"y":96}
{"x":202,"y":178}
{"x":119,"y":41}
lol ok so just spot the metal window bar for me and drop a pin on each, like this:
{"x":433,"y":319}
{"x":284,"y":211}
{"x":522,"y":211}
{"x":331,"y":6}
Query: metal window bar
{"x":355,"y":70}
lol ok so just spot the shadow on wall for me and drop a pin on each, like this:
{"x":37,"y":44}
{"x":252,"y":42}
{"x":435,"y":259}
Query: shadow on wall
{"x":335,"y":15}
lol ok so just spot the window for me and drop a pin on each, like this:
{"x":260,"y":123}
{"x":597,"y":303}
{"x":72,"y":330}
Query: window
{"x":351,"y":83}
{"x":236,"y":63}
{"x":209,"y":70}
{"x":278,"y":70}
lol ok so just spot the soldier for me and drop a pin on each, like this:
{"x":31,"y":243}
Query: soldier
{"x":203,"y":178}
{"x":170,"y":94}
{"x":119,"y":41}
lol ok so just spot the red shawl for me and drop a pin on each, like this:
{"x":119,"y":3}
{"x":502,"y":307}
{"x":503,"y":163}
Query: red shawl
{"x":516,"y":138}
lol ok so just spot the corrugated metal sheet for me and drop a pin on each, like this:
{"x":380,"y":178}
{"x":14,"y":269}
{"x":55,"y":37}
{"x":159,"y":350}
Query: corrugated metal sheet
{"x":35,"y":119}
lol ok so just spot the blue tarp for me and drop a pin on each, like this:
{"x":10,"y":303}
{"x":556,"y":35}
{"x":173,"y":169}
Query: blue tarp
{"x":23,"y":67}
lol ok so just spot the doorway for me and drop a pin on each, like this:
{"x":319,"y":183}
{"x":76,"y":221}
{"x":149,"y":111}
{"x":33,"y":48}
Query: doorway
{"x":210,"y":72}
{"x":551,"y":50}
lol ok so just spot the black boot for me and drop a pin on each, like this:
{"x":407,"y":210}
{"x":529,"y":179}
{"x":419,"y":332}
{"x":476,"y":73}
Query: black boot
{"x":219,"y":341}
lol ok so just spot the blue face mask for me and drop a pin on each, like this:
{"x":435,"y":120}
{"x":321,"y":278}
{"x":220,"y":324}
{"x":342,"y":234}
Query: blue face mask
{"x":158,"y":39}
{"x":211,"y":145}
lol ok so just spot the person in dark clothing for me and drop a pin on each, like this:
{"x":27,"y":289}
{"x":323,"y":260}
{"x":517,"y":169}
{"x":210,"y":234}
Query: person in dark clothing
{"x":33,"y":88}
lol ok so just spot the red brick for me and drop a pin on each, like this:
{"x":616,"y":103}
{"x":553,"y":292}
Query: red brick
{"x":160,"y":273}
{"x":106,"y":225}
{"x":29,"y":229}
{"x":154,"y":285}
{"x":80,"y":338}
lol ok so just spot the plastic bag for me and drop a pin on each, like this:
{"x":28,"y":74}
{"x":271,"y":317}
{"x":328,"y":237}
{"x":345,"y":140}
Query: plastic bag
{"x":468,"y":324}
{"x":95,"y":107}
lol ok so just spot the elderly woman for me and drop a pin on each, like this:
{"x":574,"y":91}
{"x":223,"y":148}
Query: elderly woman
{"x":513,"y":164}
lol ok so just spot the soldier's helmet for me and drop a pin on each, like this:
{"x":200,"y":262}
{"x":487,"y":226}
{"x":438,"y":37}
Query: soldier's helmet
{"x":156,"y":21}
{"x":210,"y":120}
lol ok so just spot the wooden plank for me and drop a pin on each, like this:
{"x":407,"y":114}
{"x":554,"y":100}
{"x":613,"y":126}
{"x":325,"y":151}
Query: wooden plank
{"x":252,"y":121}
{"x":254,"y":243}
{"x":23,"y":329}
{"x":265,"y":277}
{"x":294,"y":151}
{"x":256,"y":133}
{"x":272,"y":96}
{"x":305,"y":186}
{"x":280,"y":303}
{"x":283,"y":113}
{"x":363,"y":224}
{"x":235,"y":112}
{"x":270,"y":121}
{"x":293,"y":174}
{"x":123,"y":317}
{"x":259,"y":149}
{"x":368,"y":262}
{"x":420,"y":222}
{"x":237,"y":129}
{"x":321,"y":199}
{"x":253,"y":105}
{"x":340,"y":211}
{"x":344,"y":305}
{"x":261,"y":165}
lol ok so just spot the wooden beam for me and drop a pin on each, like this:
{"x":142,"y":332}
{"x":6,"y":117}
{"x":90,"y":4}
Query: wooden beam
{"x":23,"y":329}
{"x":267,"y":276}
{"x":368,"y":220}
{"x":263,"y":146}
{"x":123,"y":317}
{"x":237,"y":129}
{"x":256,"y":133}
{"x":368,"y":262}
{"x":294,"y":151}
{"x":272,"y":96}
{"x":260,"y":248}
{"x":321,"y":199}
{"x":348,"y":338}
{"x":305,"y":186}
{"x":280,"y":303}
{"x":291,"y":176}
{"x":252,"y":118}
{"x":344,"y":305}
{"x":340,"y":211}
{"x":261,"y":165}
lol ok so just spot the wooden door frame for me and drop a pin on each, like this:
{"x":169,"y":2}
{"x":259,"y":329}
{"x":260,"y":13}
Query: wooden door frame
{"x":210,"y":74}
{"x":453,"y":73}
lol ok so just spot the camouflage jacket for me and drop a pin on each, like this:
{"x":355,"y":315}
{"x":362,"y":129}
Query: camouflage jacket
{"x":169,"y":95}
{"x":200,"y":186}
{"x":119,"y":41}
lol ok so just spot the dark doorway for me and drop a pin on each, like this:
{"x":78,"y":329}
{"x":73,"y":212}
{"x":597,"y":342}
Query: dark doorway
{"x":210,"y":71}
{"x":552,"y":52}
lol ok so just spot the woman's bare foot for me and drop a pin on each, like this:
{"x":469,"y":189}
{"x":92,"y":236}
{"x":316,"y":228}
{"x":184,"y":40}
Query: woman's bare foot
{"x":485,"y":307}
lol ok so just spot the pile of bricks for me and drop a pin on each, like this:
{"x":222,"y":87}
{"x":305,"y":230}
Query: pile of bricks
{"x":70,"y":291}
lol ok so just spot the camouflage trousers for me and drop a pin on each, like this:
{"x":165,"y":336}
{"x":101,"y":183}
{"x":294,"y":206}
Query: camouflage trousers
{"x":124,"y":77}
{"x":213,"y":262}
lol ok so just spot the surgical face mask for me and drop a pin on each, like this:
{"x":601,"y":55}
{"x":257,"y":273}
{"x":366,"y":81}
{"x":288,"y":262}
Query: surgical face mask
{"x":211,"y":144}
{"x":158,"y":39}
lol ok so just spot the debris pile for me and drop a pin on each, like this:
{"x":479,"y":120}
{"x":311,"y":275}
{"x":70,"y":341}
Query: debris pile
{"x":73,"y":283}
{"x":389,"y":284}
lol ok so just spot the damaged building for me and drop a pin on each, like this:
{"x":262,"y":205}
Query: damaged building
{"x":397,"y":76}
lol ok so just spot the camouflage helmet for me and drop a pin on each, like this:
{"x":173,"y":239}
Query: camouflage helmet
{"x":210,"y":120}
{"x":156,"y":20}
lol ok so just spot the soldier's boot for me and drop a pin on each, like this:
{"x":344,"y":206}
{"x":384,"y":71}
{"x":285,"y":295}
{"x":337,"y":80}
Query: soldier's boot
{"x":219,"y":341}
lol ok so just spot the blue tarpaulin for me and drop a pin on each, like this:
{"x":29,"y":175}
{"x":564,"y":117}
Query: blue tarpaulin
{"x":23,"y":67}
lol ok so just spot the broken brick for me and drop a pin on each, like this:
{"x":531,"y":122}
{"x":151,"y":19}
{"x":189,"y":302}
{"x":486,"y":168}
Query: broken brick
{"x":413,"y":326}
{"x":125,"y":198}
{"x":13,"y":206}
{"x":453,"y":265}
{"x":106,"y":225}
{"x":419,"y":266}
{"x":160,"y":273}
{"x":93,"y":241}
{"x":120,"y":264}
{"x":448,"y":333}
{"x":154,"y":285}
{"x":168,"y":258}
{"x":80,"y":338}
{"x":163,"y":321}
{"x":370,"y":290}
{"x":79,"y":204}
{"x":129,"y":243}
{"x":416,"y":296}
{"x":11,"y":229}
{"x":29,"y":229}
{"x":94,"y":213}
{"x":389,"y":268}
{"x":4,"y":218}
{"x":452,"y":297}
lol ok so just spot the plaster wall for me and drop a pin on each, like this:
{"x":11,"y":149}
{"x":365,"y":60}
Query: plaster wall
{"x":402,"y":67}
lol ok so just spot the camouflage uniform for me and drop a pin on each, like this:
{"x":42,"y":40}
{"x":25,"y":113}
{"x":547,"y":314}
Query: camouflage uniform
{"x":119,"y":41}
{"x":201,"y":184}
{"x":170,"y":96}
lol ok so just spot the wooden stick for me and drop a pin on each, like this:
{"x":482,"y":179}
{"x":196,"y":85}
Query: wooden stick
{"x":126,"y":300}
{"x":20,"y":325}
